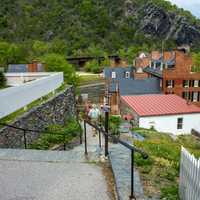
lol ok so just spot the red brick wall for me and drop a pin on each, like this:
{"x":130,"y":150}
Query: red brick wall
{"x":181,"y":72}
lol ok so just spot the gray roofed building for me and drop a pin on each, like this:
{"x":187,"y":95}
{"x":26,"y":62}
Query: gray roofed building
{"x":136,"y":87}
{"x":118,"y":73}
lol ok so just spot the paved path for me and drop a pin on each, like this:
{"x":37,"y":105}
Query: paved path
{"x":50,"y":175}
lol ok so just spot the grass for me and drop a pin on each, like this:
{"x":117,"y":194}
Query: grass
{"x":8,"y":119}
{"x":57,"y":134}
{"x":89,"y":79}
{"x":160,"y":173}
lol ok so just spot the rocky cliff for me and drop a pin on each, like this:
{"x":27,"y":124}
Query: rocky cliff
{"x":161,"y":23}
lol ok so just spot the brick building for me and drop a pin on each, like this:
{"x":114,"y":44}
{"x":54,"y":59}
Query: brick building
{"x":174,"y":68}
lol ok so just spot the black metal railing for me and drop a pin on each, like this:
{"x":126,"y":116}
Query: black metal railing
{"x":107,"y":135}
{"x":25,"y":131}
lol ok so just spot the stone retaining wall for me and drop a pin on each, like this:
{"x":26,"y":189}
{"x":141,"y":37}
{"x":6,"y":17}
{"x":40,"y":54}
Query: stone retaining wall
{"x":55,"y":110}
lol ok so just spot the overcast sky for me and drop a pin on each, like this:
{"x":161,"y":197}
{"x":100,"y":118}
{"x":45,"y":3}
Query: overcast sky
{"x":192,"y":5}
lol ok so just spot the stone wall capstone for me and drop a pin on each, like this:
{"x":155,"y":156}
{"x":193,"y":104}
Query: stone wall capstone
{"x":54,"y":111}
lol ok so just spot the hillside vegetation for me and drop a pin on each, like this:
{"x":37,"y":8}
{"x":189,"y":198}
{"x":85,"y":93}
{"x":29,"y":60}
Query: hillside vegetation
{"x":30,"y":29}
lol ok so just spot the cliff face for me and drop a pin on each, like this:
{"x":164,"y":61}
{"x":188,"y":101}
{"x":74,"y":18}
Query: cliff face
{"x":110,"y":24}
{"x":157,"y":22}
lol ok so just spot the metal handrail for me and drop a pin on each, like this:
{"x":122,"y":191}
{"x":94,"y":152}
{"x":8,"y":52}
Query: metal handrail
{"x":127,"y":145}
{"x":36,"y":131}
{"x":132,"y":148}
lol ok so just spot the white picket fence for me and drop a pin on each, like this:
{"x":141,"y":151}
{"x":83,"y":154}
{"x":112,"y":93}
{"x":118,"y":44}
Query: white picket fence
{"x":189,"y":186}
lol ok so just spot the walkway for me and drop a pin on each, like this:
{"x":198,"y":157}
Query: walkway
{"x":51,"y":175}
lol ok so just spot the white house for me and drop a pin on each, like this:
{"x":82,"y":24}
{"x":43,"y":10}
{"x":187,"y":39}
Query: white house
{"x":165,"y":113}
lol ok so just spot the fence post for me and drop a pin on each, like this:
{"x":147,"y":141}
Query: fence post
{"x":85,"y":135}
{"x":132,"y":196}
{"x":106,"y":130}
{"x":25,"y":145}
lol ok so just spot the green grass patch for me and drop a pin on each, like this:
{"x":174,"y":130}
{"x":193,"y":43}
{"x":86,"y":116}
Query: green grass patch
{"x":56,"y":134}
{"x":89,"y":79}
{"x":160,"y":172}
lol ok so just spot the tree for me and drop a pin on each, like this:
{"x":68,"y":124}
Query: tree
{"x":93,"y":66}
{"x":39,"y":48}
{"x":2,"y":80}
{"x":196,"y":62}
{"x":57,"y":63}
{"x":4,"y":54}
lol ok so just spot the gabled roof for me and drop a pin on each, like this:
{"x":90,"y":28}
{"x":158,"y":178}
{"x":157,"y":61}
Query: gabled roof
{"x":136,"y":87}
{"x":159,"y":105}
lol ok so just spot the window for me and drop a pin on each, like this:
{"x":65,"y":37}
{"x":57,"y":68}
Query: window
{"x":139,"y":70}
{"x":170,"y":83}
{"x":186,"y":95}
{"x":127,"y":75}
{"x":113,"y":75}
{"x":195,"y":96}
{"x":186,"y":83}
{"x":196,"y":83}
{"x":180,"y":123}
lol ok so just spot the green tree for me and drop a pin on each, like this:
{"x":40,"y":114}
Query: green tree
{"x":2,"y":80}
{"x":57,"y":63}
{"x":39,"y":49}
{"x":196,"y":62}
{"x":93,"y":66}
{"x":4,"y":54}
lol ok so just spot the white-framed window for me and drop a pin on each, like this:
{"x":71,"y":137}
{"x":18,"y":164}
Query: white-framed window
{"x":170,"y":83}
{"x":195,"y":96}
{"x":196,"y":83}
{"x":180,"y":123}
{"x":113,"y":75}
{"x":127,"y":74}
{"x":186,"y":83}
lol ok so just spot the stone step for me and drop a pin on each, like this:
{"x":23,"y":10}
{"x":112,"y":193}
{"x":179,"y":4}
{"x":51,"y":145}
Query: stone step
{"x":74,"y":155}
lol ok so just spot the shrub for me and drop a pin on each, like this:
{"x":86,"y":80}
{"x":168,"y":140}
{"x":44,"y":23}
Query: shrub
{"x":93,"y":66}
{"x":57,"y":134}
{"x":114,"y":124}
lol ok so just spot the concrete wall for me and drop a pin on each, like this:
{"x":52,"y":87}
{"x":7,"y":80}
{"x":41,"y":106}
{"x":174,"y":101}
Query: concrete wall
{"x":14,"y":98}
{"x":16,"y":79}
{"x":168,"y":123}
{"x":55,"y":110}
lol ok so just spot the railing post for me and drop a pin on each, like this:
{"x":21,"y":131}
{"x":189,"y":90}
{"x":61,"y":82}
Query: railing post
{"x":85,"y":135}
{"x":132,"y":196}
{"x":106,"y":130}
{"x":25,"y":145}
{"x":100,"y":139}
{"x":64,"y":144}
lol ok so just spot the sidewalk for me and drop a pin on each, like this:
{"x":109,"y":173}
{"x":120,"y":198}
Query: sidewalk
{"x":51,"y":175}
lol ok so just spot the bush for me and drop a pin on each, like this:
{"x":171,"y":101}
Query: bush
{"x":114,"y":124}
{"x":93,"y":66}
{"x":57,"y":134}
{"x":2,"y":80}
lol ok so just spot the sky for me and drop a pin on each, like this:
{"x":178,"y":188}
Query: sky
{"x":192,"y":5}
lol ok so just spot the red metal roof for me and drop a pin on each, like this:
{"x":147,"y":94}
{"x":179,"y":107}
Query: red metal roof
{"x":155,"y":105}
